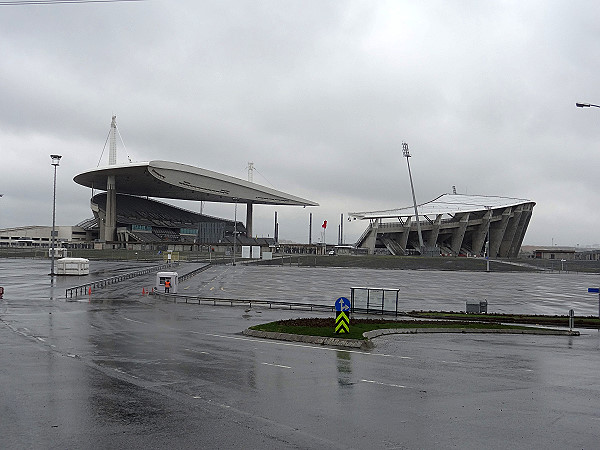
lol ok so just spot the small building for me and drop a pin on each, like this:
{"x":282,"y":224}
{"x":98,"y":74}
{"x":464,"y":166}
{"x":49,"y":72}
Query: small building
{"x":161,"y":282}
{"x":73,"y":266}
{"x":554,"y":253}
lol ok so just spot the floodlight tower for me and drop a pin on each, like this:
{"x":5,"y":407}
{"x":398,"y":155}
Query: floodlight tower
{"x":406,"y":154}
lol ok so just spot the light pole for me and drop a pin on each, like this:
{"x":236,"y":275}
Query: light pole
{"x":234,"y":229}
{"x":406,"y":154}
{"x":586,"y":105}
{"x":487,"y":244}
{"x":55,"y":163}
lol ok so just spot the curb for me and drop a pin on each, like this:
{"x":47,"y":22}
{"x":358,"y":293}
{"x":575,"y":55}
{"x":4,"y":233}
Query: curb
{"x":376,"y":333}
{"x":319,"y":340}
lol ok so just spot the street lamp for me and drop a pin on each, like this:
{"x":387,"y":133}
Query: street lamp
{"x":586,"y":105}
{"x":487,"y":244}
{"x":55,"y":163}
{"x":234,"y":229}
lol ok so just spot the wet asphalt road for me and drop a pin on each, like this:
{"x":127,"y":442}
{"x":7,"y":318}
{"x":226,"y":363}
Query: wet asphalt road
{"x":122,"y":370}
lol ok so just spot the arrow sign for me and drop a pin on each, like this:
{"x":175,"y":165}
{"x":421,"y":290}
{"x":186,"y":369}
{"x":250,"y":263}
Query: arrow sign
{"x":342,"y":323}
{"x":595,"y":290}
{"x":342,"y":304}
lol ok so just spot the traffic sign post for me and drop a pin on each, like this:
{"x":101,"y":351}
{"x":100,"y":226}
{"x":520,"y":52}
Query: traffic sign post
{"x":342,"y":316}
{"x":596,"y":291}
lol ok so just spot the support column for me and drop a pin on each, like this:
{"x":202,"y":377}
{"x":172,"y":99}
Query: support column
{"x":497,"y":231}
{"x":435,"y":231}
{"x":509,"y":234}
{"x":249,"y":208}
{"x":371,"y":238}
{"x":458,"y":235}
{"x":520,"y":235}
{"x":405,"y":234}
{"x":479,"y":235}
{"x":111,"y":209}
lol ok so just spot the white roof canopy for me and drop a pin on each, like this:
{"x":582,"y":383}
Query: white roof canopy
{"x":164,"y":179}
{"x":448,"y":204}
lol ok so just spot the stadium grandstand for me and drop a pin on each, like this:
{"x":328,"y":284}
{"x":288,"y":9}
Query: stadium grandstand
{"x":451,"y":224}
{"x":141,"y":220}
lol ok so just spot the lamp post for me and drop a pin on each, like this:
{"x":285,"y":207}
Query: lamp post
{"x":487,"y":244}
{"x":586,"y":105}
{"x":234,"y":229}
{"x":55,"y":163}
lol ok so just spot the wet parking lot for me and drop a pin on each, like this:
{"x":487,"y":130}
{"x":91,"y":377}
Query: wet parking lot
{"x":116,"y":368}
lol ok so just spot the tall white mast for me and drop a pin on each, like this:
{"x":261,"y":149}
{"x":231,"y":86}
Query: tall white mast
{"x":112,"y":153}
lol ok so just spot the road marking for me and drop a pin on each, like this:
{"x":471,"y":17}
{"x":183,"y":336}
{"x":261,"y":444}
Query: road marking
{"x":136,"y":321}
{"x":290,"y":344}
{"x":276,"y":365}
{"x":383,"y":384}
{"x":125,"y":373}
{"x":197,"y":351}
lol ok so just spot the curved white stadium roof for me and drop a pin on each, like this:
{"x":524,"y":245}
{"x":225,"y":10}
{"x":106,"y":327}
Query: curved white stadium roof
{"x":445,"y":204}
{"x":164,"y":179}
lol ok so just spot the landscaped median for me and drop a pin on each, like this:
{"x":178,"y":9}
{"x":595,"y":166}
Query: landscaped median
{"x":321,"y":330}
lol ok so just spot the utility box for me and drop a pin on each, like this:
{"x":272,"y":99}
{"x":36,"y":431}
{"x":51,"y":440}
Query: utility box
{"x":161,"y":280}
{"x":476,"y":307}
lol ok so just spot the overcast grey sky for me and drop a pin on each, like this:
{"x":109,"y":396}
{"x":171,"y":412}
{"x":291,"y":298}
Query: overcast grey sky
{"x":319,"y":95}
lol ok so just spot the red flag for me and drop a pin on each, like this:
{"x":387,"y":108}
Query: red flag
{"x":324,"y":224}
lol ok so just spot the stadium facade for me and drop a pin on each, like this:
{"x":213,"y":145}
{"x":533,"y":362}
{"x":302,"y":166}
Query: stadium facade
{"x":451,"y":224}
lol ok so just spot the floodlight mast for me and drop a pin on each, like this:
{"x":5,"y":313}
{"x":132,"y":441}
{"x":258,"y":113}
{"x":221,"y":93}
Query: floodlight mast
{"x":406,"y":154}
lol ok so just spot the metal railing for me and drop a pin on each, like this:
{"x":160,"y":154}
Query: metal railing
{"x":180,"y":298}
{"x":375,"y":301}
{"x":84,"y":289}
{"x":194,"y":272}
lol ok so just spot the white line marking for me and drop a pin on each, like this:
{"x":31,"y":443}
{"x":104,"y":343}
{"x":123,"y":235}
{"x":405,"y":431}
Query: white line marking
{"x":290,"y":344}
{"x":131,"y":320}
{"x":383,"y":384}
{"x":197,"y":351}
{"x":277,"y":365}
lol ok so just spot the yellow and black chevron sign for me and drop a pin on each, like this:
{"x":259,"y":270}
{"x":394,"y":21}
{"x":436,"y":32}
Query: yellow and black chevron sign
{"x":342,"y":323}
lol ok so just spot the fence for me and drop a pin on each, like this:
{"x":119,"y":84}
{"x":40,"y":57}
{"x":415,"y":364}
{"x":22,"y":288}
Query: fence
{"x":83,"y":289}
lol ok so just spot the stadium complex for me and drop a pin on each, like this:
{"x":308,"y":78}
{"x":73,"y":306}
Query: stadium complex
{"x":451,"y":224}
{"x":127,"y":215}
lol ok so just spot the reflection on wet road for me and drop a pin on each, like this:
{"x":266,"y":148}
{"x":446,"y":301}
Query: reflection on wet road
{"x":122,"y":369}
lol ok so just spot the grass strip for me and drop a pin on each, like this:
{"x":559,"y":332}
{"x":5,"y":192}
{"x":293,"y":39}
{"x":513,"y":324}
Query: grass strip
{"x":326,"y":327}
{"x":530,"y":319}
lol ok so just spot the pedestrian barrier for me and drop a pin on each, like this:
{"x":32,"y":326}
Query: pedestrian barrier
{"x":364,"y":301}
{"x":86,"y":289}
{"x":194,"y":272}
{"x":181,"y":298}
